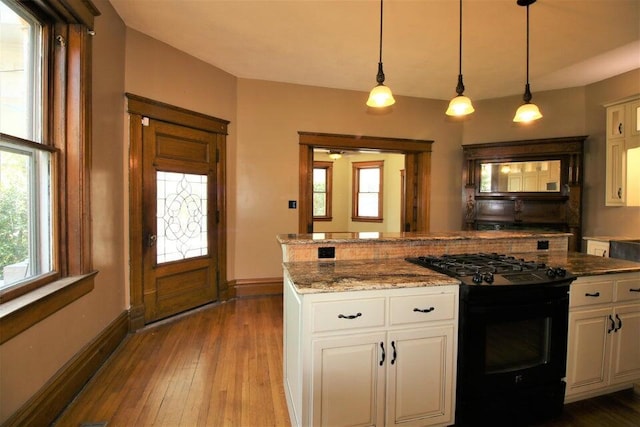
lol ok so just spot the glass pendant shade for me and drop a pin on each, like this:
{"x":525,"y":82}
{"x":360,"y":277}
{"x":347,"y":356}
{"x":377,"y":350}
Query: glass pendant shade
{"x":380,"y":96}
{"x":527,"y":113}
{"x":460,"y":106}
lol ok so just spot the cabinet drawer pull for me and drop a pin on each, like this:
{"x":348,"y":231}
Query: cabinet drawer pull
{"x":424,"y":310}
{"x":634,"y":290}
{"x":597,"y":294}
{"x":349,"y":316}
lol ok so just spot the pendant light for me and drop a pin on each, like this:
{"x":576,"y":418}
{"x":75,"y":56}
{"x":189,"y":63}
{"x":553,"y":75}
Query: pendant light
{"x":380,"y":96}
{"x":527,"y":112}
{"x":460,"y":105}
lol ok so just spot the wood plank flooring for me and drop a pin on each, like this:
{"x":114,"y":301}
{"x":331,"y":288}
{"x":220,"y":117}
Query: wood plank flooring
{"x":222,"y":366}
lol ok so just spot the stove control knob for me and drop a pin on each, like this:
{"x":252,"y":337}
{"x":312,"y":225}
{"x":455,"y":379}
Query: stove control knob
{"x":551,"y":273}
{"x":488,"y":277}
{"x":560,"y":272}
{"x":477,"y":278}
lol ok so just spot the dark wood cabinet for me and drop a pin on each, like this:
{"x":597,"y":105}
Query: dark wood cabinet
{"x":525,"y":185}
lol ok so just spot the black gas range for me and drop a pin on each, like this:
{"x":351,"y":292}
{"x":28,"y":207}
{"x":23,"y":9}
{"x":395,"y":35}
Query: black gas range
{"x":494,"y":269}
{"x":512,"y":337}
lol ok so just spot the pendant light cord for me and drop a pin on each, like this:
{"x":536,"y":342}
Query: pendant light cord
{"x":460,"y":45}
{"x":527,"y":44}
{"x":380,"y":60}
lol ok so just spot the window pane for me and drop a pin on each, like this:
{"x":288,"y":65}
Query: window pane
{"x":368,"y":204}
{"x":182,"y":216}
{"x":320,"y":180}
{"x":319,"y":204}
{"x":25,"y":213}
{"x":369,"y":180}
{"x":20,"y":75}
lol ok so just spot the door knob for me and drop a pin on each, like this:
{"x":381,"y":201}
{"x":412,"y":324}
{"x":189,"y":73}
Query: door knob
{"x":151,"y":241}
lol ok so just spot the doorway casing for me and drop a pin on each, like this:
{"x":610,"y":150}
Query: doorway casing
{"x":417,"y":173}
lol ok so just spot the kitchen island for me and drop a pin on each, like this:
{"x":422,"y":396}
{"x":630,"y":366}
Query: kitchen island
{"x":370,"y":338}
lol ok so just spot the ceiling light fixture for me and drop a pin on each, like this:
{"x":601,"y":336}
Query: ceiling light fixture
{"x":460,"y":105}
{"x":380,"y":96}
{"x":527,"y":112}
{"x":335,"y":155}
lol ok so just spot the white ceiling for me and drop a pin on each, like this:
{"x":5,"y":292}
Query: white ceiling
{"x":334,"y":43}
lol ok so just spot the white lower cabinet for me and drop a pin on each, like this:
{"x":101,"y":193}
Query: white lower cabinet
{"x":604,"y":335}
{"x":371,"y":358}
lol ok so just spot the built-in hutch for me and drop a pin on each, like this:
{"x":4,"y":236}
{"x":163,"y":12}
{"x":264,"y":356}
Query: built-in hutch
{"x":524,"y":185}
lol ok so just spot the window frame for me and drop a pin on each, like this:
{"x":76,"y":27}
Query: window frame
{"x":355,"y":191}
{"x":67,"y":26}
{"x":328,"y":167}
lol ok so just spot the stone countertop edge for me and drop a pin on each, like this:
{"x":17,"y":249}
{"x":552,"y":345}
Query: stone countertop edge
{"x":387,"y":237}
{"x":357,"y":275}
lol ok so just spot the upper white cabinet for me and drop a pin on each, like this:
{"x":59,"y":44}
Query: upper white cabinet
{"x":623,"y":154}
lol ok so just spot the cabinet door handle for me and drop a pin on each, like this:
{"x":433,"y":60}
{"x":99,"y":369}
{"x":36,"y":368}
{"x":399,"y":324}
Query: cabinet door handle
{"x":424,"y":310}
{"x":619,"y":324}
{"x":383,"y":355}
{"x":393,"y":345}
{"x":349,"y":316}
{"x":620,"y":193}
{"x":604,"y":253}
{"x":613,"y":325}
{"x":620,"y":128}
{"x":634,"y":290}
{"x":595,"y":295}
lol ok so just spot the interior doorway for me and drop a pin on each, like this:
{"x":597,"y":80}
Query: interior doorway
{"x":417,"y":173}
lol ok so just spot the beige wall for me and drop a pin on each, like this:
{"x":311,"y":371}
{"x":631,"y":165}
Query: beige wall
{"x":30,"y":359}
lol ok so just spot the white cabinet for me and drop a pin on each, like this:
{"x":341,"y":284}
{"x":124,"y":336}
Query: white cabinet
{"x":623,"y":154}
{"x":604,"y":335}
{"x":371,"y":358}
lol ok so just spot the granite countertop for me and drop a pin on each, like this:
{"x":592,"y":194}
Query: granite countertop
{"x":387,"y":237}
{"x":355,"y":275}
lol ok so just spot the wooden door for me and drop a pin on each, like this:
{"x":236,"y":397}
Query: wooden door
{"x":180,"y":268}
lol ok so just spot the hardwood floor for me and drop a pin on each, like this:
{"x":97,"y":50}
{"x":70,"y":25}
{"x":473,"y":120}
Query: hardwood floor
{"x":222,"y":366}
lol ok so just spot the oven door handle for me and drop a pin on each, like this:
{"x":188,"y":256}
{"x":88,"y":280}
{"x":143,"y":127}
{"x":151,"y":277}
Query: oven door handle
{"x":612,"y":327}
{"x":424,"y":310}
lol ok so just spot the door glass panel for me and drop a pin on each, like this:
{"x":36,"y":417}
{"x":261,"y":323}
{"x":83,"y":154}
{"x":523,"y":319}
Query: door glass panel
{"x":182,"y":216}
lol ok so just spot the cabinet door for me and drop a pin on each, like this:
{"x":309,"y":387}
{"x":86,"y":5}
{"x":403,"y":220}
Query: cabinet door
{"x":348,"y":380}
{"x":616,"y":173}
{"x":420,"y":374}
{"x":587,"y":353}
{"x":625,"y":363}
{"x":634,"y":118}
{"x":616,"y":121}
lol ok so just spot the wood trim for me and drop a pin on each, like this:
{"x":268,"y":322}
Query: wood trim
{"x":417,"y":164}
{"x":172,"y":114}
{"x":257,"y":287}
{"x":25,"y":311}
{"x":43,"y":408}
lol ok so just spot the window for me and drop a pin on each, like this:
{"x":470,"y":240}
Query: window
{"x":44,"y":144}
{"x":322,"y":190}
{"x":367,"y":191}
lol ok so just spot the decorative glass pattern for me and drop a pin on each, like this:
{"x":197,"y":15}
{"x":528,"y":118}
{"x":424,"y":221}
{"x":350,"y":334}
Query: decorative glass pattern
{"x":182,"y":216}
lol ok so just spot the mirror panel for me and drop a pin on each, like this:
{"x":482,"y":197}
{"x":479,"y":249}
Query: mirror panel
{"x":520,"y":177}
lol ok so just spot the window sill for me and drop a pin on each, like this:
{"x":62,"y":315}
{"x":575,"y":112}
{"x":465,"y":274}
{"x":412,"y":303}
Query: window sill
{"x":21,"y":313}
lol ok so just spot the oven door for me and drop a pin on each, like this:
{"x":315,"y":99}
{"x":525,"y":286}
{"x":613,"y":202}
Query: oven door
{"x":509,"y":345}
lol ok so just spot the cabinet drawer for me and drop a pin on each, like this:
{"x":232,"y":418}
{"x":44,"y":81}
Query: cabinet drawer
{"x":422,"y":308}
{"x":591,"y":293}
{"x":628,"y":289}
{"x":349,"y":314}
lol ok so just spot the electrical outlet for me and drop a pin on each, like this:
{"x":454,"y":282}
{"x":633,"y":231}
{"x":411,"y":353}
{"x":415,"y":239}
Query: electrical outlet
{"x":543,"y":244}
{"x":328,"y":252}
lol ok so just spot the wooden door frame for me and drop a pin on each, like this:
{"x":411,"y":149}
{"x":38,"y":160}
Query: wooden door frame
{"x":138,"y":108}
{"x":417,"y":173}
